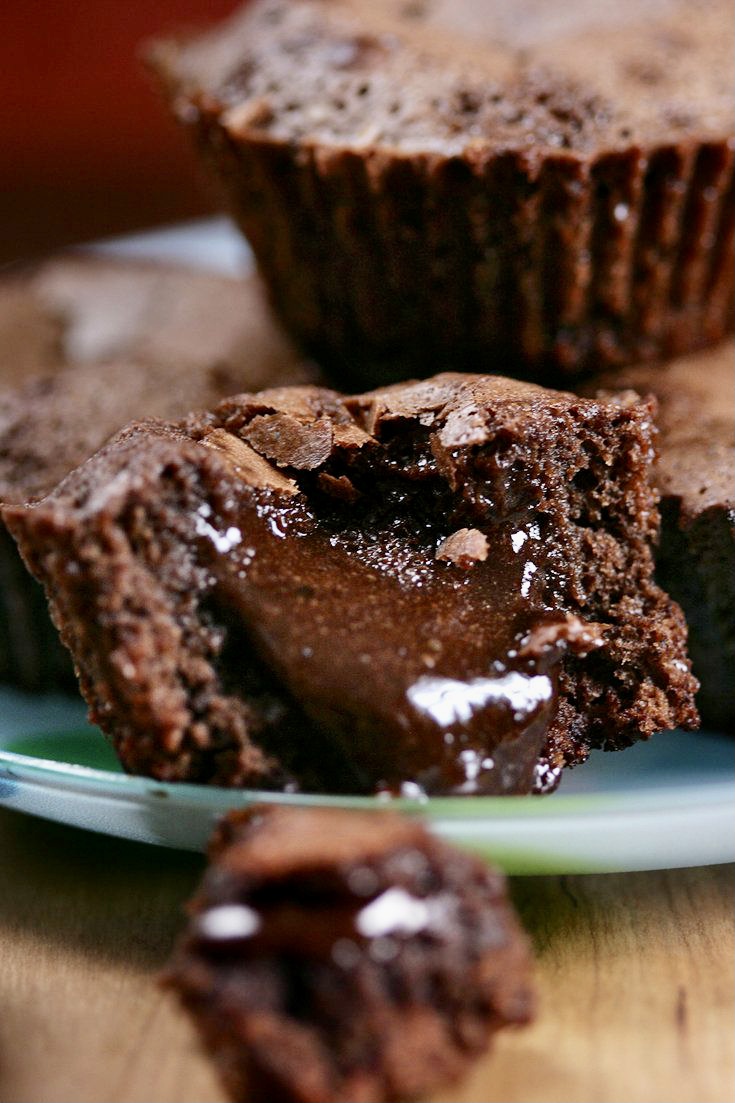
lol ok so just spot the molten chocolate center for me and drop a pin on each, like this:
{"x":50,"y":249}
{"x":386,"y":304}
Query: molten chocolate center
{"x":429,"y":674}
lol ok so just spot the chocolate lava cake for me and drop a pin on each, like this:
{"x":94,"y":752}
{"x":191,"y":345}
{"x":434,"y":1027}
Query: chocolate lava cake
{"x":88,"y":344}
{"x":443,"y":586}
{"x":433,"y":184}
{"x":345,"y":956}
{"x":695,"y":474}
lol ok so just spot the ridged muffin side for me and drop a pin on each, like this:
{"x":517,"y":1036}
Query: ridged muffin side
{"x":540,"y":220}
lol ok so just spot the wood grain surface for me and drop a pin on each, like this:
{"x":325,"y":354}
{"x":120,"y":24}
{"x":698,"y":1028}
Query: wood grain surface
{"x":635,"y":974}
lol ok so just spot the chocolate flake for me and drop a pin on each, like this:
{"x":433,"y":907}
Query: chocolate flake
{"x":255,"y":470}
{"x":464,"y":548}
{"x":341,"y":487}
{"x":579,"y":636}
{"x":290,"y":442}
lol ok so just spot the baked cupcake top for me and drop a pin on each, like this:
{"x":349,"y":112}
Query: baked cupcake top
{"x":451,"y":76}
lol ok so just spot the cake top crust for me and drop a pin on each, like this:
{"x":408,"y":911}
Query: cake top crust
{"x":461,"y":407}
{"x":270,"y":436}
{"x":450,"y":77}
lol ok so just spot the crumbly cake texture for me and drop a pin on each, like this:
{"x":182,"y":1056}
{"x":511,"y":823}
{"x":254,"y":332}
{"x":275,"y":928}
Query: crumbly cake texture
{"x":444,"y":586}
{"x":88,"y":344}
{"x":695,"y":475}
{"x":438,"y":184}
{"x":345,"y":956}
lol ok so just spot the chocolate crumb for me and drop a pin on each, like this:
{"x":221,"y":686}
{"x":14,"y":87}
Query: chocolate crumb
{"x":340,"y":487}
{"x":464,"y":548}
{"x":338,"y":955}
{"x":579,"y":636}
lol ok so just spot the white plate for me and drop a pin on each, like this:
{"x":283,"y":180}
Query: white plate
{"x":211,"y":243}
{"x":667,"y":803}
{"x":664,"y":804}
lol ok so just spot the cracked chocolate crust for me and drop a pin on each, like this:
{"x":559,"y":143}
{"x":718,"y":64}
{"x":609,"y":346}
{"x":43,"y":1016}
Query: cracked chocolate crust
{"x":264,"y":595}
{"x":347,"y":956}
{"x":88,"y":344}
{"x":453,"y":186}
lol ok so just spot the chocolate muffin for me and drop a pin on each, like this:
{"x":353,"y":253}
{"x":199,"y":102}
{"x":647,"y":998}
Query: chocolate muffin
{"x":346,"y":956}
{"x":695,"y":474}
{"x":87,"y":344}
{"x":433,"y":184}
{"x":442,"y":586}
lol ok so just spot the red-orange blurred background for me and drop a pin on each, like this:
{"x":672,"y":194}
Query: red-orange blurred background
{"x":86,"y":145}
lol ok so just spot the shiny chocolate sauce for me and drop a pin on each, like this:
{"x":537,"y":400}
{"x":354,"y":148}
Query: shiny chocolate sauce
{"x":339,"y":931}
{"x":429,"y":675}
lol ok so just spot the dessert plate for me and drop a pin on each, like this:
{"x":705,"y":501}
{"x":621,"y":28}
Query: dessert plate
{"x":663,"y":804}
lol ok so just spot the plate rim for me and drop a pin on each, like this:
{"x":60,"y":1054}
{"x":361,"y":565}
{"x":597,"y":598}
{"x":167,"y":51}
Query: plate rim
{"x":44,"y":772}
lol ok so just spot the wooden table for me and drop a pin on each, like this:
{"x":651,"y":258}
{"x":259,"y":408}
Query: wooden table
{"x":635,"y":975}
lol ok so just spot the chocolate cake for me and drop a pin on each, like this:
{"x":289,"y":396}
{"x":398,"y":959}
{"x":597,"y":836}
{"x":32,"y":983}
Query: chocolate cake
{"x":695,"y":474}
{"x":433,"y":184}
{"x":442,"y":586}
{"x":346,"y":956}
{"x":87,"y":344}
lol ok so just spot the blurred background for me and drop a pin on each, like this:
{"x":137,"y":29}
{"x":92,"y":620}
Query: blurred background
{"x":87,"y":147}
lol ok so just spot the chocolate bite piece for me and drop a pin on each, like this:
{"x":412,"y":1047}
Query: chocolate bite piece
{"x":346,"y":956}
{"x":460,"y":183}
{"x":445,"y":584}
{"x":86,"y":345}
{"x":695,"y":475}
